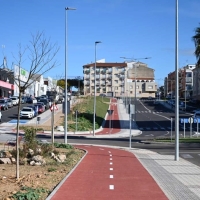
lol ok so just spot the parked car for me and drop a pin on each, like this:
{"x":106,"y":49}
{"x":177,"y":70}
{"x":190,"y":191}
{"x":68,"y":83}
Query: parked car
{"x":4,"y":104}
{"x":41,"y":108}
{"x":45,"y":101}
{"x":35,"y":108}
{"x":23,"y":100}
{"x":15,"y":100}
{"x":10,"y":103}
{"x":31,"y":100}
{"x":40,"y":103}
{"x":27,"y":112}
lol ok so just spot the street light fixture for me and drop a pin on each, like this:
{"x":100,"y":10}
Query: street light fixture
{"x":66,"y":9}
{"x":94,"y":113}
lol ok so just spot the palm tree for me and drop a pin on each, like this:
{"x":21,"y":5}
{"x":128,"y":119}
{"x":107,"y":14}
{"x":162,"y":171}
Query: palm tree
{"x":196,"y":39}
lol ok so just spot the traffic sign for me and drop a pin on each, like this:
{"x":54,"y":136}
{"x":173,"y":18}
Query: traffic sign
{"x":55,"y":107}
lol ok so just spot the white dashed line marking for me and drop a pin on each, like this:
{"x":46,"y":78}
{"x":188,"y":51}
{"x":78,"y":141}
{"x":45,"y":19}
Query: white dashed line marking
{"x":101,"y":149}
{"x":110,"y":154}
{"x":111,"y":163}
{"x":111,"y":176}
{"x":111,"y":187}
{"x":111,"y":169}
{"x":110,"y":158}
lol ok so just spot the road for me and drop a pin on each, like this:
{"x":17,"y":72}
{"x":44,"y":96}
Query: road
{"x":153,"y":120}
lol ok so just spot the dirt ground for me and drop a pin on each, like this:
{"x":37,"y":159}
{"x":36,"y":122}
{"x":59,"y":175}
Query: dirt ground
{"x":46,"y":177}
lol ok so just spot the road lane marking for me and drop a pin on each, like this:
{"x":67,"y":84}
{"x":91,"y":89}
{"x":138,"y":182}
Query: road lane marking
{"x":110,"y":158}
{"x":186,"y":156}
{"x":111,"y":169}
{"x":110,"y":154}
{"x":111,"y":187}
{"x":111,"y":176}
{"x":111,"y":163}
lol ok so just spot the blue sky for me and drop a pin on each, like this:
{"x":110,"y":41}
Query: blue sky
{"x":130,"y":28}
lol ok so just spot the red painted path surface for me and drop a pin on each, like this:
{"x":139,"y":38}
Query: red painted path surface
{"x":107,"y":173}
{"x":112,"y":124}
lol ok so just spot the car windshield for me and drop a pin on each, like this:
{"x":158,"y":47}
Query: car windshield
{"x":26,"y":109}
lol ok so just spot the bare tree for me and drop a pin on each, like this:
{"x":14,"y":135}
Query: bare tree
{"x":41,"y":58}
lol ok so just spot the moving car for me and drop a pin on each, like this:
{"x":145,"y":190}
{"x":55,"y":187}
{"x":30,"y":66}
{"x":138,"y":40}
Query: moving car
{"x":35,"y":108}
{"x":3,"y":104}
{"x":10,"y":103}
{"x":27,"y":112}
{"x":15,"y":100}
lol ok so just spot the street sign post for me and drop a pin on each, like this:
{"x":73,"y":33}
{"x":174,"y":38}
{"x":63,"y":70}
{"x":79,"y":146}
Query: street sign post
{"x":190,"y":120}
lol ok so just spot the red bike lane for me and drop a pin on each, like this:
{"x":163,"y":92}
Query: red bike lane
{"x":112,"y":123}
{"x":107,"y":173}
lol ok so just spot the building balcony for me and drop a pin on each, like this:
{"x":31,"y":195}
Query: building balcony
{"x":109,"y":77}
{"x":109,"y":71}
{"x":103,"y":76}
{"x":86,"y":83}
{"x":109,"y":83}
{"x":103,"y":83}
{"x":97,"y":76}
{"x":97,"y":83}
{"x":86,"y":77}
{"x":121,"y":76}
{"x":103,"y":71}
{"x":188,"y":80}
{"x":86,"y":71}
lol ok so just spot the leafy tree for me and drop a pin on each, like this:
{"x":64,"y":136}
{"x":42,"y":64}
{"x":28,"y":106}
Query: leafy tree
{"x":61,"y":83}
{"x":196,"y":39}
{"x":40,"y":54}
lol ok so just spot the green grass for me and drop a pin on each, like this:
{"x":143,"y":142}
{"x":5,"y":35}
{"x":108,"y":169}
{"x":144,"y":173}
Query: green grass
{"x":181,"y":140}
{"x":85,"y":116}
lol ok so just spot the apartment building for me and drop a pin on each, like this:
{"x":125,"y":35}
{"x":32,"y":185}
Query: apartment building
{"x":196,"y":84}
{"x":119,"y":79}
{"x":186,"y":82}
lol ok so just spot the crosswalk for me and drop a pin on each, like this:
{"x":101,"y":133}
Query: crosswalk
{"x":150,"y":111}
{"x":157,"y":128}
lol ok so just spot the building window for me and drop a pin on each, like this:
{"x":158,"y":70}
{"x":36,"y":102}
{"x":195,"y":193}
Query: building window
{"x":150,"y":86}
{"x":131,"y":87}
{"x":137,"y":86}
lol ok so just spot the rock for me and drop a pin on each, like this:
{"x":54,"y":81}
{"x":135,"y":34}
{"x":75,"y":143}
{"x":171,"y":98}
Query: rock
{"x":32,"y":163}
{"x":37,"y":158}
{"x":13,"y":160}
{"x":38,"y":163}
{"x":31,"y":152}
{"x":5,"y":161}
{"x":62,"y":157}
{"x":60,"y":128}
{"x":38,"y":150}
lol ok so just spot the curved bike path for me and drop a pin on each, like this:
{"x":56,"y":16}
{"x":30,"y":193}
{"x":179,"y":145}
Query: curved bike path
{"x":108,"y":173}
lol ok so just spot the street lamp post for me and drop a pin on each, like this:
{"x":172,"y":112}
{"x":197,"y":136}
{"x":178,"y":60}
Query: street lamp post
{"x":94,"y":114}
{"x":66,"y":9}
